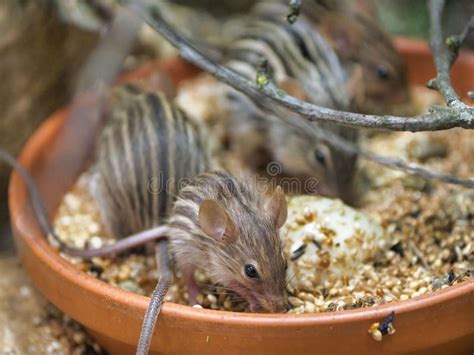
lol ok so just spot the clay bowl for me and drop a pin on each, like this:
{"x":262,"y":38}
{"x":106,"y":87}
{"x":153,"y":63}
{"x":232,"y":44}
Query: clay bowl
{"x":439,"y":323}
{"x":420,"y":66}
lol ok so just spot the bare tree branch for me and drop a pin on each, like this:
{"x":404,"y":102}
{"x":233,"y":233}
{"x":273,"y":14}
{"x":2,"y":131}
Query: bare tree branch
{"x":267,"y":92}
{"x":439,"y":118}
{"x":393,"y":163}
{"x":443,"y":59}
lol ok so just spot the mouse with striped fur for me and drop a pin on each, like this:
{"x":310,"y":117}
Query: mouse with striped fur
{"x":302,"y":63}
{"x":377,"y":78}
{"x":215,"y":222}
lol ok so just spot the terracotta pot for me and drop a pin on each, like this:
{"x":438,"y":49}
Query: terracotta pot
{"x":442,"y":322}
{"x":421,"y":67}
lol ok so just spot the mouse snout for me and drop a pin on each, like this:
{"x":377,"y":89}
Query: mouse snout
{"x":348,"y":193}
{"x":274,"y":304}
{"x":279,"y":306}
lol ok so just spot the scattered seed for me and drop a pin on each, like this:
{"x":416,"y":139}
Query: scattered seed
{"x":451,"y":276}
{"x":296,"y":302}
{"x":301,"y":220}
{"x":376,"y":333}
{"x":298,"y":252}
{"x":212,"y":298}
{"x":398,"y":248}
{"x":309,"y":215}
{"x":387,"y":325}
{"x":309,"y":307}
{"x":438,"y":221}
{"x":96,"y":269}
{"x":227,"y":304}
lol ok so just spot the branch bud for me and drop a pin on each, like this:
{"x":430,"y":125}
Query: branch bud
{"x":293,"y":11}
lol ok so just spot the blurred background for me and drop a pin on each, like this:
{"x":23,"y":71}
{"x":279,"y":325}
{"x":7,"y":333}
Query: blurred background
{"x":43,"y":45}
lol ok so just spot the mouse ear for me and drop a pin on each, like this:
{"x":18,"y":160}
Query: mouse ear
{"x":277,"y":208}
{"x":215,"y":221}
{"x":343,"y":36}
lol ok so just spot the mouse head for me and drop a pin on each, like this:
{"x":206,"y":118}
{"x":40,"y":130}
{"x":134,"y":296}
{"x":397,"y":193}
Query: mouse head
{"x":377,"y":80}
{"x":249,"y":257}
{"x":377,"y":74}
{"x":320,"y":167}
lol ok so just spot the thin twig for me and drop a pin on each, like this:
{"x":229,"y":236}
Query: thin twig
{"x":392,"y":163}
{"x":467,"y":31}
{"x":443,"y":59}
{"x":266,"y":93}
{"x":455,"y":42}
{"x":294,"y":9}
{"x":439,"y":118}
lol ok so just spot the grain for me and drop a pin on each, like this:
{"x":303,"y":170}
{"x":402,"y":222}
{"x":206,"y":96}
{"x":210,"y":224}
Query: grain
{"x":437,"y":218}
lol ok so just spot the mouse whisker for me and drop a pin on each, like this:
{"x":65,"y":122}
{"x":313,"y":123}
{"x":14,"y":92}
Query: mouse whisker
{"x":290,"y":279}
{"x":212,"y":286}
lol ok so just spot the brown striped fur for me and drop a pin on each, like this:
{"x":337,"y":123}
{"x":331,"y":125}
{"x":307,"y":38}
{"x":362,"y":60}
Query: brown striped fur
{"x":146,"y":149}
{"x":378,"y":82}
{"x":340,"y":59}
{"x":145,"y":136}
{"x":299,"y":58}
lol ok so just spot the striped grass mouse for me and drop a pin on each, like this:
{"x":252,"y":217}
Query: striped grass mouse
{"x":216,"y":223}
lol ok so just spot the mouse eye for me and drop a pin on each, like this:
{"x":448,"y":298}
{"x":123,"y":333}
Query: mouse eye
{"x":382,"y":73}
{"x":251,"y":271}
{"x":319,"y":156}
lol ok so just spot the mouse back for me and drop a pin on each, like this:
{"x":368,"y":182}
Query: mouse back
{"x":303,"y":63}
{"x":146,"y":151}
{"x":299,"y":58}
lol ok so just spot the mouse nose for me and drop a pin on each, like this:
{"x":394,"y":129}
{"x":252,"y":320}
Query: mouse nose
{"x":271,"y":303}
{"x":278,"y":305}
{"x":282,"y":307}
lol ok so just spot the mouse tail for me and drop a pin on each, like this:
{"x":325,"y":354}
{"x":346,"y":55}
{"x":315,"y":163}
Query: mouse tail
{"x":157,"y":298}
{"x":41,"y":214}
{"x":35,"y":197}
